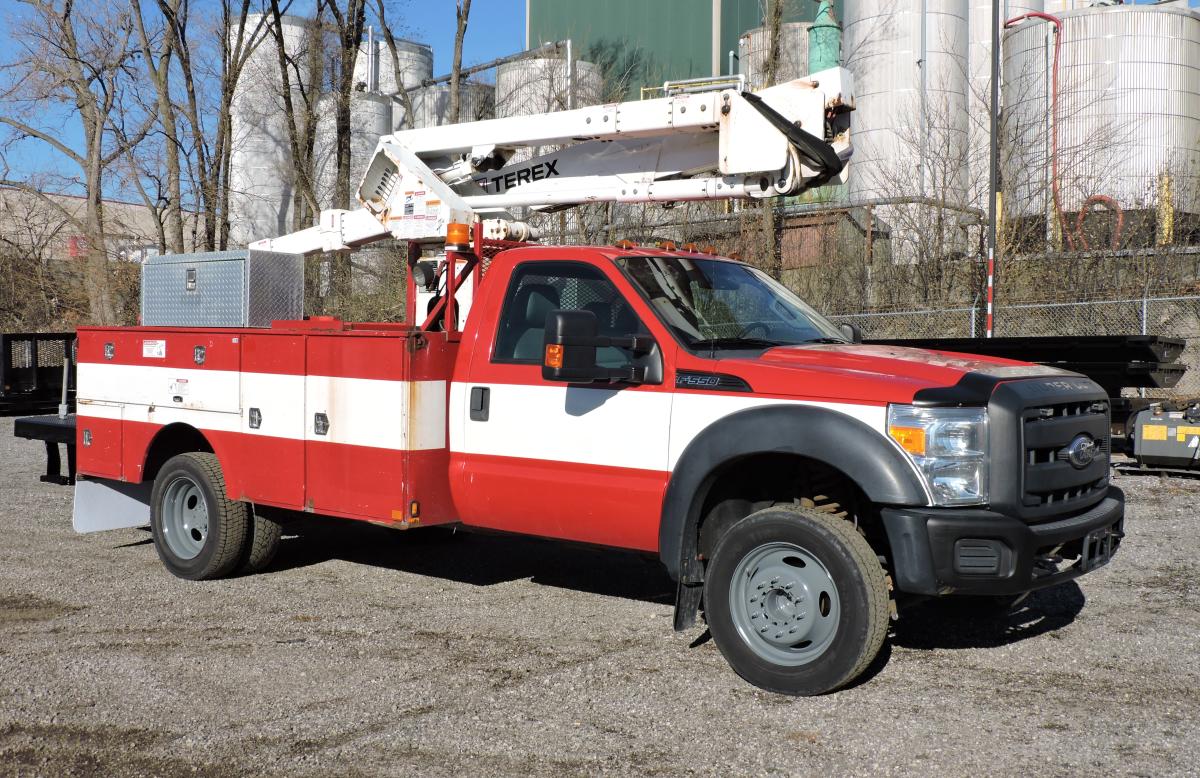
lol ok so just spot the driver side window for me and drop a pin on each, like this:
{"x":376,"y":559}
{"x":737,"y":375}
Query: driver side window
{"x":537,"y":288}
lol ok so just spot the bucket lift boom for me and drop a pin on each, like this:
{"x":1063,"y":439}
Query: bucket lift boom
{"x":712,"y":145}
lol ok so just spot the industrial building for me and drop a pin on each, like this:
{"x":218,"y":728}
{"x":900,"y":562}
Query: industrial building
{"x":393,"y":93}
{"x":1109,"y":160}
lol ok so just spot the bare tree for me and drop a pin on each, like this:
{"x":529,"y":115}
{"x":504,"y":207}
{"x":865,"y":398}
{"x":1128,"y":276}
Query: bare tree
{"x":770,"y":259}
{"x":389,"y":37}
{"x":348,"y":21}
{"x":157,"y":48}
{"x":81,"y":55}
{"x":462,"y":10}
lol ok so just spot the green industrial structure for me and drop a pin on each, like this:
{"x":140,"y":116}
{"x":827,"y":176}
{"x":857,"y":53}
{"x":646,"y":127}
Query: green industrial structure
{"x":645,"y":42}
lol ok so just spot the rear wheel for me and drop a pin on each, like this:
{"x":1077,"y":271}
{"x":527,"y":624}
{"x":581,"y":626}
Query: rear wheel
{"x":796,"y":600}
{"x":199,"y":533}
{"x":263,"y":536}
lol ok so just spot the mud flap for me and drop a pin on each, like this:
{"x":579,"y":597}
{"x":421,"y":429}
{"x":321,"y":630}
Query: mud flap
{"x":101,"y":504}
{"x":687,"y":604}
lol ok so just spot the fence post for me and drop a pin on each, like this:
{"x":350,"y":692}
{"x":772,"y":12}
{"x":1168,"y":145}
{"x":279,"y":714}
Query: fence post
{"x":1145,"y":311}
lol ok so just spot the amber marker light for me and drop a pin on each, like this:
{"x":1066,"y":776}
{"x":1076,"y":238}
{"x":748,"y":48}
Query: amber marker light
{"x":911,"y":439}
{"x":554,"y":356}
{"x":458,"y":234}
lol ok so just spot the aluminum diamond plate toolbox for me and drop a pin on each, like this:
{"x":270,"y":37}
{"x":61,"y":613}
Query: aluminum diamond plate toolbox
{"x":245,"y":288}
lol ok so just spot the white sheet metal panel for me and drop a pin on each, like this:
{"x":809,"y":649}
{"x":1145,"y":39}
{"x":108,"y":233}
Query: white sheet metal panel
{"x":882,"y":48}
{"x":1129,"y":86}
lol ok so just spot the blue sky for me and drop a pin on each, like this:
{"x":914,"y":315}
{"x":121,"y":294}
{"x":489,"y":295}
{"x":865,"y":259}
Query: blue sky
{"x":496,"y":28}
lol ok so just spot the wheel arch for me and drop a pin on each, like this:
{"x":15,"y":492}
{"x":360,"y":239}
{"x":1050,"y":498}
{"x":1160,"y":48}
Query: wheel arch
{"x":171,"y":440}
{"x":834,"y":439}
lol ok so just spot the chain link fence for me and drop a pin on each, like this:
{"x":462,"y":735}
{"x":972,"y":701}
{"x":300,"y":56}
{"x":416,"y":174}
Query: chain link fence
{"x":1176,"y":317}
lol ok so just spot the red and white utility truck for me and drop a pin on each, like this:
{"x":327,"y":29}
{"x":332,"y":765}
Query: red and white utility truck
{"x":678,"y":403}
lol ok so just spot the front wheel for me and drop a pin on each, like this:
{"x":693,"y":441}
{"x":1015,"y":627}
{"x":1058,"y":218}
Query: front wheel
{"x":199,"y":533}
{"x":796,"y":601}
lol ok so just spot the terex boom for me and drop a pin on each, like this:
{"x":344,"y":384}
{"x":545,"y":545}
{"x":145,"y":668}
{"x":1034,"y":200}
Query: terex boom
{"x":678,"y":403}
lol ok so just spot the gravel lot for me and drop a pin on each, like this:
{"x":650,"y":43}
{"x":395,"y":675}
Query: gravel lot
{"x":366,"y":651}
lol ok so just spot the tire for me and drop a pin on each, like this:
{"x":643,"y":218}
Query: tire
{"x":263,"y":536}
{"x":813,"y":642}
{"x":199,"y":533}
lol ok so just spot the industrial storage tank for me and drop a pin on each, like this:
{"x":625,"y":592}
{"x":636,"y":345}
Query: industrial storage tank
{"x":754,"y":47}
{"x":979,"y":57}
{"x":910,"y":125}
{"x":370,"y":119}
{"x":261,"y":178}
{"x":431,"y":105}
{"x":1128,"y":119}
{"x":373,"y":67}
{"x":540,"y":85}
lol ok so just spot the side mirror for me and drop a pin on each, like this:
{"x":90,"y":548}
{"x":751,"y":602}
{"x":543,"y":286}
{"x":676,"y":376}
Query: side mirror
{"x":570,"y":351}
{"x":852,"y":332}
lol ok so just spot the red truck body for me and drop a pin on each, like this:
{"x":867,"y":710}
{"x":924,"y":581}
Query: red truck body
{"x":399,"y":448}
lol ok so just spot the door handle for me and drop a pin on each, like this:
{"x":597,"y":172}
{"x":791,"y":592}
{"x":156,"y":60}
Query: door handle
{"x":481,"y":400}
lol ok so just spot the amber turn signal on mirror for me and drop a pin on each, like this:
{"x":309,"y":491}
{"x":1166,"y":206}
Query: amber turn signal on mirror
{"x":554,"y":356}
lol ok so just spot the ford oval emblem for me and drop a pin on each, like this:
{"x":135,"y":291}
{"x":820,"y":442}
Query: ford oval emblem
{"x":1082,"y":451}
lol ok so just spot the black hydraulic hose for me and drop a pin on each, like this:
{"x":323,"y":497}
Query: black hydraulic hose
{"x":818,"y":152}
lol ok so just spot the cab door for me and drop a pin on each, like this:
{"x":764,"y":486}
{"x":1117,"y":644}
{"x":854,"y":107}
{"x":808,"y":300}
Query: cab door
{"x":579,"y":462}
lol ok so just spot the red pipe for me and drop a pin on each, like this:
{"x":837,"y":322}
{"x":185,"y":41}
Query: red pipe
{"x":1114,"y":206}
{"x":1054,"y":111}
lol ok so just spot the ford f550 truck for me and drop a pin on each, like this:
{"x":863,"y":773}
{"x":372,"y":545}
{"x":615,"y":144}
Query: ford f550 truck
{"x":678,"y":403}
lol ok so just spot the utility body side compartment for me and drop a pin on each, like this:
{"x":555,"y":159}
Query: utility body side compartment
{"x":348,"y":421}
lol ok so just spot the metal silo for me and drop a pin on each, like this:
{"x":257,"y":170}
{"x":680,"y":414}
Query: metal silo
{"x":540,"y":85}
{"x":370,"y":119}
{"x":1128,"y":120}
{"x":373,"y":66}
{"x":431,"y":105}
{"x":979,"y":55}
{"x":909,"y":60}
{"x":754,"y":46}
{"x":261,"y":179}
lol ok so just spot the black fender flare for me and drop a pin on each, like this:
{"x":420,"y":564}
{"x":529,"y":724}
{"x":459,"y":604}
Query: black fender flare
{"x":836,"y":439}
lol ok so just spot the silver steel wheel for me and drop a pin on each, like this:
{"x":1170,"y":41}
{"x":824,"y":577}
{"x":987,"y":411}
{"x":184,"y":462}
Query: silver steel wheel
{"x":184,"y":517}
{"x":784,"y":604}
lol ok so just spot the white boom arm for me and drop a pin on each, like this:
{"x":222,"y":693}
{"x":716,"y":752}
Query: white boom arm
{"x":697,"y":146}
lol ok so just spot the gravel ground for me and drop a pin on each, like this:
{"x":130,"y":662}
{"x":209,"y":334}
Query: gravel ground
{"x":367,"y":651}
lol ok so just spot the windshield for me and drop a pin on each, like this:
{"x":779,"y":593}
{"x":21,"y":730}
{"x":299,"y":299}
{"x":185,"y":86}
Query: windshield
{"x":715,"y":304}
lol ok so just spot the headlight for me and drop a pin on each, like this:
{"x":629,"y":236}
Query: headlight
{"x":948,"y":446}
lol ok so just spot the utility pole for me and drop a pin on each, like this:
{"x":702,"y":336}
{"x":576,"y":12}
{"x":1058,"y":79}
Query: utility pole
{"x":993,"y":166}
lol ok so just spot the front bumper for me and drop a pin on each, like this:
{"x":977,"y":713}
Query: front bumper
{"x":946,"y":551}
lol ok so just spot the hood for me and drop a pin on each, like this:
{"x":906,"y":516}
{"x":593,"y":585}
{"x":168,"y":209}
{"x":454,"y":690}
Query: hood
{"x":864,"y":373}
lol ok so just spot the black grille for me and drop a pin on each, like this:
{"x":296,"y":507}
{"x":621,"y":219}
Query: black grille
{"x":1052,"y":483}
